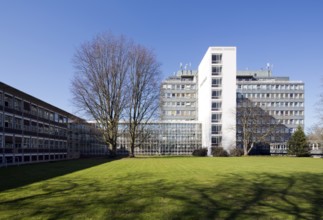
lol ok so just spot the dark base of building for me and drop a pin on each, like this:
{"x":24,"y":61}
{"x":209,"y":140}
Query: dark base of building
{"x":12,"y":156}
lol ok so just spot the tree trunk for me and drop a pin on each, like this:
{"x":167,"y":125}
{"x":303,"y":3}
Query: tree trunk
{"x":245,"y":148}
{"x":132,"y":150}
{"x":113,"y":150}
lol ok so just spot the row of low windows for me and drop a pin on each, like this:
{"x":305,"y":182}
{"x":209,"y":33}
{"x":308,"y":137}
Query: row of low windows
{"x":8,"y":121}
{"x":286,"y":112}
{"x":184,"y":136}
{"x":279,"y":104}
{"x":179,"y":95}
{"x":165,"y":127}
{"x":292,"y":121}
{"x":179,"y":86}
{"x":179,"y":113}
{"x":273,"y":95}
{"x":182,"y":104}
{"x":271,"y":87}
{"x":158,"y":135}
{"x":17,"y":104}
{"x":28,"y":142}
{"x":261,"y":130}
{"x":184,"y":141}
{"x":265,"y":121}
{"x":271,"y":138}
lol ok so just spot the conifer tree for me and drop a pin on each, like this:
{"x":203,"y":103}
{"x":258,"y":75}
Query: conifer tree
{"x":297,"y":144}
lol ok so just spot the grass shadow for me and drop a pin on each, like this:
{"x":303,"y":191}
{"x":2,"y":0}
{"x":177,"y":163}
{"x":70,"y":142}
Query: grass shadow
{"x":264,"y":196}
{"x":17,"y":176}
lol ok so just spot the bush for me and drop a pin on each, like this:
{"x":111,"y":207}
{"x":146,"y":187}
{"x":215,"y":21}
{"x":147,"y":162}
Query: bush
{"x":219,"y":152}
{"x":200,"y":152}
{"x":236,"y":152}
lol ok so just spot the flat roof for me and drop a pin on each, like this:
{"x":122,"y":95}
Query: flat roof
{"x":13,"y":91}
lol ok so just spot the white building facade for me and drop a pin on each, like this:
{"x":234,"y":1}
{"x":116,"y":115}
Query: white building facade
{"x":217,"y":97}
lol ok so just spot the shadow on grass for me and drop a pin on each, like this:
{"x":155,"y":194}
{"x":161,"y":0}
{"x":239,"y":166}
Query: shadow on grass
{"x":138,"y":196}
{"x":17,"y":176}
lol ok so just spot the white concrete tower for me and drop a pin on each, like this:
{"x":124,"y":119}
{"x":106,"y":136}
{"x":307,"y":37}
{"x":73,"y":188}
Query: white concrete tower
{"x":217,"y":97}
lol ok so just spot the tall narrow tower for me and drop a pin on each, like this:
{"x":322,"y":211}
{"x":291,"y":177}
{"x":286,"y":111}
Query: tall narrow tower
{"x":217,"y":97}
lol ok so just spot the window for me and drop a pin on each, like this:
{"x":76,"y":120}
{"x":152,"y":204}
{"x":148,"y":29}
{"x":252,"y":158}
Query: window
{"x":216,"y":117}
{"x":34,"y":110}
{"x":40,"y":112}
{"x":216,"y":106}
{"x":17,"y":104}
{"x":18,"y":123}
{"x":26,"y":125}
{"x":216,"y":94}
{"x":26,"y":106}
{"x":216,"y":58}
{"x":216,"y":141}
{"x":216,"y":82}
{"x":216,"y":70}
{"x":8,"y":101}
{"x":8,"y":121}
{"x":216,"y":129}
{"x":51,"y":116}
{"x":8,"y":141}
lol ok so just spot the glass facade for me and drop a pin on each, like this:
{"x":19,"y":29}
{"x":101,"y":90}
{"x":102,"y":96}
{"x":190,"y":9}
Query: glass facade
{"x":165,"y":138}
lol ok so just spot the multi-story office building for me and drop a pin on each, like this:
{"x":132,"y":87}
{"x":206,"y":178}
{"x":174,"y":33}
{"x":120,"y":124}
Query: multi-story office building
{"x":32,"y":130}
{"x":217,"y":85}
{"x":179,"y":96}
{"x":217,"y":97}
{"x":278,"y":96}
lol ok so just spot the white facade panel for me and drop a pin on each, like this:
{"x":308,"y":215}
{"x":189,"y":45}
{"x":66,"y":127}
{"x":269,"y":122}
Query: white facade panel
{"x":227,"y":97}
{"x":204,"y":98}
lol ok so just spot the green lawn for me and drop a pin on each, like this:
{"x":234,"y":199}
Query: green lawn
{"x":165,"y":188}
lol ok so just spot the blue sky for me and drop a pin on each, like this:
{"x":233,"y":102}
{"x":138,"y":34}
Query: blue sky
{"x":38,"y":38}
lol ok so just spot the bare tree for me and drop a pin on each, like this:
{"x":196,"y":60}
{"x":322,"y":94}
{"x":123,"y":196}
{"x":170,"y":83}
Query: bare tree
{"x":255,"y":125}
{"x":315,"y":133}
{"x":98,"y":87}
{"x":144,"y":78}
